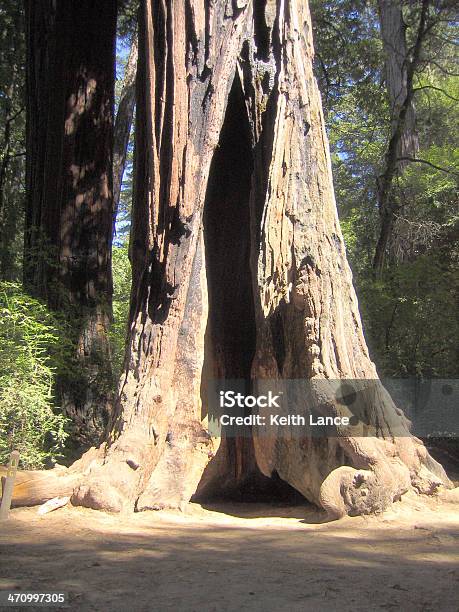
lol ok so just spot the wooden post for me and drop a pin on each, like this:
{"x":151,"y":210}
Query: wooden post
{"x":8,"y":485}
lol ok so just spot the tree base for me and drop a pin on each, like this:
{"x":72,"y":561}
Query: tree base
{"x":185,"y":472}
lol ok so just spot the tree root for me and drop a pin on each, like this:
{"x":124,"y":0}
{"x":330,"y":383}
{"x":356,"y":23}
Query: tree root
{"x":350,"y":491}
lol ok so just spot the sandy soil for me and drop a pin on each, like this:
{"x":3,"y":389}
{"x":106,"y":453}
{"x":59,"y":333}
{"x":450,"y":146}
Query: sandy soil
{"x":238,"y":557}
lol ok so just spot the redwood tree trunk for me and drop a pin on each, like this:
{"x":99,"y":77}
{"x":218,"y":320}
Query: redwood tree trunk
{"x":70,"y":88}
{"x":240,"y":271}
{"x":123,"y":124}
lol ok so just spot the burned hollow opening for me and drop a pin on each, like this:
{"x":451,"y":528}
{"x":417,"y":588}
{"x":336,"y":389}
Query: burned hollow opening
{"x":231,"y":331}
{"x":227,"y":244}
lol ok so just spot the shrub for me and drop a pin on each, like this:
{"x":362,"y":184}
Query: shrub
{"x":29,"y":422}
{"x":121,"y":295}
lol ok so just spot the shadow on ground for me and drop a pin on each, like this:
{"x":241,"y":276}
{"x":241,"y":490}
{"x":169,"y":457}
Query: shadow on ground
{"x":146,"y":562}
{"x":306,"y":512}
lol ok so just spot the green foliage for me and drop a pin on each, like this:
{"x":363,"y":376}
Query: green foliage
{"x":409,"y":319}
{"x":127,"y":18}
{"x":123,"y":218}
{"x":121,"y":296}
{"x":29,"y":335}
{"x":408,"y":313}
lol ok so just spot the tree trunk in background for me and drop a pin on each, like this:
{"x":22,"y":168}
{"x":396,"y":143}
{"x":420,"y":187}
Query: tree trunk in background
{"x":393,"y":34}
{"x":123,"y":124}
{"x":69,"y":209}
{"x":11,"y":223}
{"x":11,"y":164}
{"x":399,"y":69}
{"x":239,"y":270}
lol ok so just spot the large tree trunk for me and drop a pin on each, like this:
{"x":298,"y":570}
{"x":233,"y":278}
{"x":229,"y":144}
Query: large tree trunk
{"x":70,"y":89}
{"x":240,"y":271}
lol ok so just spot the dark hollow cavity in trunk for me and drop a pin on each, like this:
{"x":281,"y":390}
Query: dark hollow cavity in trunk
{"x":231,"y":329}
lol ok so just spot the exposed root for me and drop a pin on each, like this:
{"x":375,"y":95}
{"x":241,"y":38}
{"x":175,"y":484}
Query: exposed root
{"x":351,"y":491}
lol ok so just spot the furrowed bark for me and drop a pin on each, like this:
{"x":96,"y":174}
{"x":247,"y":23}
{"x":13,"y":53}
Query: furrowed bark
{"x":188,"y":55}
{"x":70,"y":84}
{"x":240,"y":271}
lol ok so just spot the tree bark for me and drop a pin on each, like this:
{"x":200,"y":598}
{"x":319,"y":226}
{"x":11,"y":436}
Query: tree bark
{"x":393,"y":34}
{"x":400,"y":67}
{"x":10,"y":155}
{"x":240,"y":271}
{"x":69,"y":208}
{"x":123,"y":124}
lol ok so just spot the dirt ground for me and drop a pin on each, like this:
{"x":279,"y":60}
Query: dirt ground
{"x":237,"y":557}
